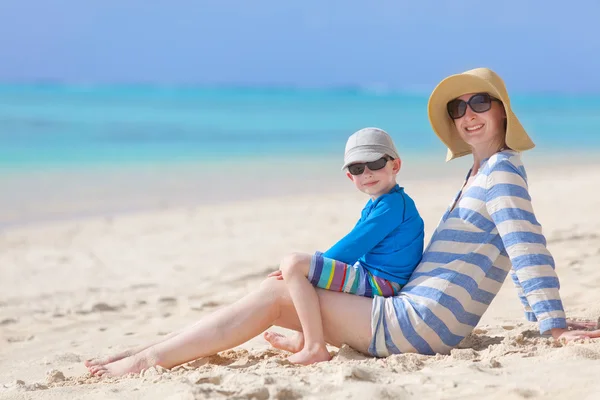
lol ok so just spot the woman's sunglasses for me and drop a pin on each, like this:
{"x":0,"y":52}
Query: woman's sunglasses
{"x":359,"y":168}
{"x":479,"y":103}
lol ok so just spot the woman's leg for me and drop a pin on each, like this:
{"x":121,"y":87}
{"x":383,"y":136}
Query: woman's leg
{"x":346,"y":319}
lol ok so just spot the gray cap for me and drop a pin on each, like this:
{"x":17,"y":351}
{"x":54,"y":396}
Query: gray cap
{"x":368,"y":144}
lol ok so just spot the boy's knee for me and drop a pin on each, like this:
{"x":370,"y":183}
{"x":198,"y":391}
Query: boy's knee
{"x":294,"y":262}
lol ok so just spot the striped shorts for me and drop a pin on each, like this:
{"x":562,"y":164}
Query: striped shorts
{"x":329,"y":274}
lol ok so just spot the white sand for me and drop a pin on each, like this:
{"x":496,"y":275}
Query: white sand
{"x":76,"y":289}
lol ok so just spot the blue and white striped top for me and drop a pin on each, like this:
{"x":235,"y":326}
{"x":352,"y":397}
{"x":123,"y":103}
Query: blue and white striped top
{"x":489,"y":232}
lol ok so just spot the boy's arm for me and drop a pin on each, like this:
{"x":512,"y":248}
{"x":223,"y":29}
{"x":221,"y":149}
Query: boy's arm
{"x":383,"y":219}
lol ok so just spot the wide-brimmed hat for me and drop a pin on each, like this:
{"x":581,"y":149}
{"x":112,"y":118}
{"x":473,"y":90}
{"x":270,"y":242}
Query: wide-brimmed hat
{"x":479,"y":80}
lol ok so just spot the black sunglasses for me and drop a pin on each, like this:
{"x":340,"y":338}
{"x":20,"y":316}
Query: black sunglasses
{"x":359,"y":168}
{"x":479,"y":103}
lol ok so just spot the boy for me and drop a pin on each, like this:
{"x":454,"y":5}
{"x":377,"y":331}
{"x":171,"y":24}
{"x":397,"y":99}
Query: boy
{"x":375,"y":259}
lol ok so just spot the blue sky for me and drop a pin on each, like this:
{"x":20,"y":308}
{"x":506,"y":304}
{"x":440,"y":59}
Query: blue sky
{"x":535,"y":45}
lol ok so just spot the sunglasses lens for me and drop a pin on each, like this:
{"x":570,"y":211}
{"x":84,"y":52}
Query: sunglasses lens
{"x":356,"y":169}
{"x":377,"y":165}
{"x":457,"y":108}
{"x":480,"y":103}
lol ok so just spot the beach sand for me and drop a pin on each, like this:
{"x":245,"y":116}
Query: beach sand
{"x":89,"y":286}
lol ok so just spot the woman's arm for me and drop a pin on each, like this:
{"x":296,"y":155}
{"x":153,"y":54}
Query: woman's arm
{"x":529,"y":314}
{"x":509,"y":205}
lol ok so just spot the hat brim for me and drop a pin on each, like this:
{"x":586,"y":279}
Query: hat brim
{"x":362,"y":156}
{"x":455,"y":86}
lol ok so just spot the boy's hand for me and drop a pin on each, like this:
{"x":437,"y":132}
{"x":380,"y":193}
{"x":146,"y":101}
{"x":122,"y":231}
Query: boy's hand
{"x":276,"y":274}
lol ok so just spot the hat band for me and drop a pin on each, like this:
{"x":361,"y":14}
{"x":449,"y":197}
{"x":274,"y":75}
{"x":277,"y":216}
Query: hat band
{"x":373,"y":148}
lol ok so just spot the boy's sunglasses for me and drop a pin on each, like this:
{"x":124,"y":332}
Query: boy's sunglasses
{"x":359,"y":168}
{"x":479,"y":103}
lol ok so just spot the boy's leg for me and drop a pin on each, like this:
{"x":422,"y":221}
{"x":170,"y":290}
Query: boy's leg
{"x":333,"y":275}
{"x":295,"y":269}
{"x":353,"y":279}
{"x":337,"y":276}
{"x":292,"y":343}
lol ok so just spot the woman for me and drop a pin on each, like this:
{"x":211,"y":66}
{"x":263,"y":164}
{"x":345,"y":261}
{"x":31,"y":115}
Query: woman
{"x":489,"y":230}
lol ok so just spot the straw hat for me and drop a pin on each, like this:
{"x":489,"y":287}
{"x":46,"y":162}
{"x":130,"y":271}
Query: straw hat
{"x":479,"y":80}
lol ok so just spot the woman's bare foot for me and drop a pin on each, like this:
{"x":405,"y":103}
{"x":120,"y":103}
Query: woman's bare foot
{"x":310,"y":355}
{"x":109,"y":359}
{"x":127,"y":365}
{"x":127,"y":353}
{"x":292,"y":344}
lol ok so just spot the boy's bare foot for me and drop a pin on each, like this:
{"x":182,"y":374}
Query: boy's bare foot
{"x":292,"y":344}
{"x":309,"y":356}
{"x":106,"y":360}
{"x":127,"y":365}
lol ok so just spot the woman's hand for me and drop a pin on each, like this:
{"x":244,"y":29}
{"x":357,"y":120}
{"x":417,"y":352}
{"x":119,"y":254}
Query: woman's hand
{"x":568,"y":336}
{"x":587,"y":325}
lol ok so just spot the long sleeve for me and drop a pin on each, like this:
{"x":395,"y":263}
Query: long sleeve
{"x":509,"y":205}
{"x":529,"y":314}
{"x":369,"y":231}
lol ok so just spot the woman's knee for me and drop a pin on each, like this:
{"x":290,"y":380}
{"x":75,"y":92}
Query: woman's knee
{"x":268,"y":284}
{"x":275,"y":290}
{"x":273,"y":286}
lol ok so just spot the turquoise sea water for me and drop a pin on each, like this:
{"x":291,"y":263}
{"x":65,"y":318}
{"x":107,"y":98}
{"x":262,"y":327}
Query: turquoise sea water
{"x":64,"y":126}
